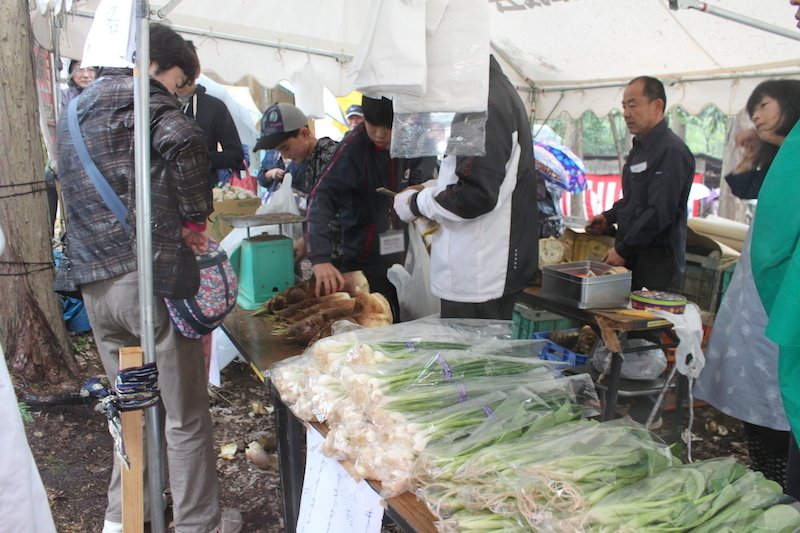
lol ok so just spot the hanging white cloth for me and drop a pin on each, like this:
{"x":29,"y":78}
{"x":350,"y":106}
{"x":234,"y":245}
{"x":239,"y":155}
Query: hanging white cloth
{"x":391,"y":56}
{"x":308,"y":89}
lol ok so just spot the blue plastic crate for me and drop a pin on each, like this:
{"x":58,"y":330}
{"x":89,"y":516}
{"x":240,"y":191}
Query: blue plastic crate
{"x":554,"y":352}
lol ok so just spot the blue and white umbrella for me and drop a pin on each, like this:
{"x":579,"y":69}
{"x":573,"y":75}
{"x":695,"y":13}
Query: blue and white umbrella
{"x":559,"y":165}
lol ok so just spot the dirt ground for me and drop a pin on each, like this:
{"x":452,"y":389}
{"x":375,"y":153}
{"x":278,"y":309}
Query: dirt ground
{"x":72,"y":448}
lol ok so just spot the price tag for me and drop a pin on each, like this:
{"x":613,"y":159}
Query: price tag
{"x":392,"y":242}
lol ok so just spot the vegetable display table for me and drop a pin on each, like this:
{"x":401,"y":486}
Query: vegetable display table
{"x":613,"y":327}
{"x":253,"y":337}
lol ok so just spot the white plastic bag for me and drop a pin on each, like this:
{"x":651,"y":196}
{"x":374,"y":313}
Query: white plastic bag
{"x":282,"y":201}
{"x":413,"y":281}
{"x":644,"y":365}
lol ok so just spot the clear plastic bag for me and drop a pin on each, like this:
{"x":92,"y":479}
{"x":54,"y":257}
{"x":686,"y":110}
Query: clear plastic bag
{"x":553,"y":474}
{"x":643,"y":365}
{"x":457,"y":84}
{"x":538,"y":406}
{"x":439,"y":134}
{"x":703,"y":497}
{"x":290,"y":378}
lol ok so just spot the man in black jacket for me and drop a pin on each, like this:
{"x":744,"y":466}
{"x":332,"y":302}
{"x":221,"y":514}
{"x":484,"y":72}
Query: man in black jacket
{"x":215,"y":120}
{"x":372,"y":235}
{"x":656,"y":179}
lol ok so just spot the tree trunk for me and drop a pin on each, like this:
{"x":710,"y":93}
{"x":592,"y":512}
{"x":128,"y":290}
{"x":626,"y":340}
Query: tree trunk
{"x":573,"y":139}
{"x":730,"y":206}
{"x":619,"y":142}
{"x":677,"y":126}
{"x":32,"y":329}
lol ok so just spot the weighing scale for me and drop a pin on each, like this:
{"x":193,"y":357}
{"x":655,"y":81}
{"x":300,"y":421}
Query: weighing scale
{"x":264,"y":263}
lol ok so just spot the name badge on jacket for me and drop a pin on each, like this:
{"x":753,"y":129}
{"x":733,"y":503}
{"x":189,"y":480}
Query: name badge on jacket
{"x":392,"y":242}
{"x":639,"y":167}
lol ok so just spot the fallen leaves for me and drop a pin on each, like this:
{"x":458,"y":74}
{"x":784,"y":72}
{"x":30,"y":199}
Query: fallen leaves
{"x":228,"y":451}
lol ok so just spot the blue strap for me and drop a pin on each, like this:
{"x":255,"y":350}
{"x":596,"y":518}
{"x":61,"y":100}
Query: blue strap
{"x":97,"y":178}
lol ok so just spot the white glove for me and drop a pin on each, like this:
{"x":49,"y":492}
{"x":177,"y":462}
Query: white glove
{"x":402,"y":205}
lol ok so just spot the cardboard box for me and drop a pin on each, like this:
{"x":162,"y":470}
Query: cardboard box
{"x":584,"y":247}
{"x":217,"y":228}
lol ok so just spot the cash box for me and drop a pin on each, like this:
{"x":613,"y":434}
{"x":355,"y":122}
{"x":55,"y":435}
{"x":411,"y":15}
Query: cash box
{"x":586,"y":285}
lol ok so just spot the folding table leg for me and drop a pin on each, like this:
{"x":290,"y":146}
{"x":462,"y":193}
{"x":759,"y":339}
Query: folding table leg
{"x":610,"y":405}
{"x":291,"y":446}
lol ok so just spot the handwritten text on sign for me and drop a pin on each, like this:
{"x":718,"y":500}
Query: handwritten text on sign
{"x":332,"y":501}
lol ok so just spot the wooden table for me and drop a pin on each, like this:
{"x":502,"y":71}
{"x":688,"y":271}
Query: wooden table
{"x":254,"y":339}
{"x":613,"y":327}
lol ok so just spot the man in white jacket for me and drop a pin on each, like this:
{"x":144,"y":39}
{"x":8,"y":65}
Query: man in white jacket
{"x":487,"y":248}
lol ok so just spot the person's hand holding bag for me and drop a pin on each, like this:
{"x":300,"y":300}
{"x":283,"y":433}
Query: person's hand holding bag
{"x":402,"y":203}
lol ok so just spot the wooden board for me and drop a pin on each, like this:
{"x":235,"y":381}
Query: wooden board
{"x":269,"y":219}
{"x":132,"y":435}
{"x":622,"y":319}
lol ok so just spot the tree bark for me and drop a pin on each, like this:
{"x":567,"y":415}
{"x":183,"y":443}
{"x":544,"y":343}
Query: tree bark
{"x":32,"y":329}
{"x":619,"y":142}
{"x":573,"y":139}
{"x":730,"y":206}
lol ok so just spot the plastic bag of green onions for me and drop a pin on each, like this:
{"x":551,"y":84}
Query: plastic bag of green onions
{"x":390,"y":457}
{"x":376,"y":345}
{"x":564,"y":399}
{"x":704,"y":497}
{"x":544,"y":474}
{"x":370,"y":385}
{"x":290,"y":378}
{"x":481,"y":522}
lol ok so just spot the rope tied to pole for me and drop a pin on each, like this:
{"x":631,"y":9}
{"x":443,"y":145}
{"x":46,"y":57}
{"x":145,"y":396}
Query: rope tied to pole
{"x":134,"y":389}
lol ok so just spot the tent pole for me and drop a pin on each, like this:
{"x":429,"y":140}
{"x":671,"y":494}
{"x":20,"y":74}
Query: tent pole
{"x":164,"y":11}
{"x":340,"y":57}
{"x":730,"y":15}
{"x":144,"y":242}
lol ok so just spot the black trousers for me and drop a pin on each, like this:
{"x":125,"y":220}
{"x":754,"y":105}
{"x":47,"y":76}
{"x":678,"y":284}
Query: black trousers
{"x":769,"y":451}
{"x":501,"y":308}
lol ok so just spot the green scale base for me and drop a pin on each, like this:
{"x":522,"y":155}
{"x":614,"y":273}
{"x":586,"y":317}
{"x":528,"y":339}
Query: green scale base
{"x":265,"y":266}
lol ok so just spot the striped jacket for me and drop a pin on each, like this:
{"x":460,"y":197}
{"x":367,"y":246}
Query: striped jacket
{"x":180,"y":190}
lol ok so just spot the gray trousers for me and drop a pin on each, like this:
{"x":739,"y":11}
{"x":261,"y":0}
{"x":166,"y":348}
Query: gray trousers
{"x":113,"y":308}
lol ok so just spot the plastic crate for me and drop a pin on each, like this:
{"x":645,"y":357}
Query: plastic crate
{"x":704,"y":282}
{"x":554,"y":352}
{"x":528,"y":321}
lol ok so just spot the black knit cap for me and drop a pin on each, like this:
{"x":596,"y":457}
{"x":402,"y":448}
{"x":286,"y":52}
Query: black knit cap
{"x":377,"y":112}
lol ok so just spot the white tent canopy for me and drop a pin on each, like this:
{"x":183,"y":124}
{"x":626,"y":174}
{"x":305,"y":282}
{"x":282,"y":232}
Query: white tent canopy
{"x":569,"y":55}
{"x":586,"y":49}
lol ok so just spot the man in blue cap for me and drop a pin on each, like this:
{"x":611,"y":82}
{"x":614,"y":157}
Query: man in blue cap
{"x":354,"y":116}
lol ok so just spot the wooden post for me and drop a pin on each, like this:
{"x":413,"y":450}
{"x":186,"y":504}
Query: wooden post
{"x":132,"y":435}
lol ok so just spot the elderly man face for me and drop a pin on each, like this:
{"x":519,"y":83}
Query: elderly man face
{"x":640,"y":113}
{"x":796,"y":15}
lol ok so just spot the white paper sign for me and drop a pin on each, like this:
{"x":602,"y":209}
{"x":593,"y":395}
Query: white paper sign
{"x":111,"y":41}
{"x":332,"y":501}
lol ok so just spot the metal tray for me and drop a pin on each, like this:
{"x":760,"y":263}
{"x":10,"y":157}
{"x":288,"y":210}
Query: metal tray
{"x":567,"y":283}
